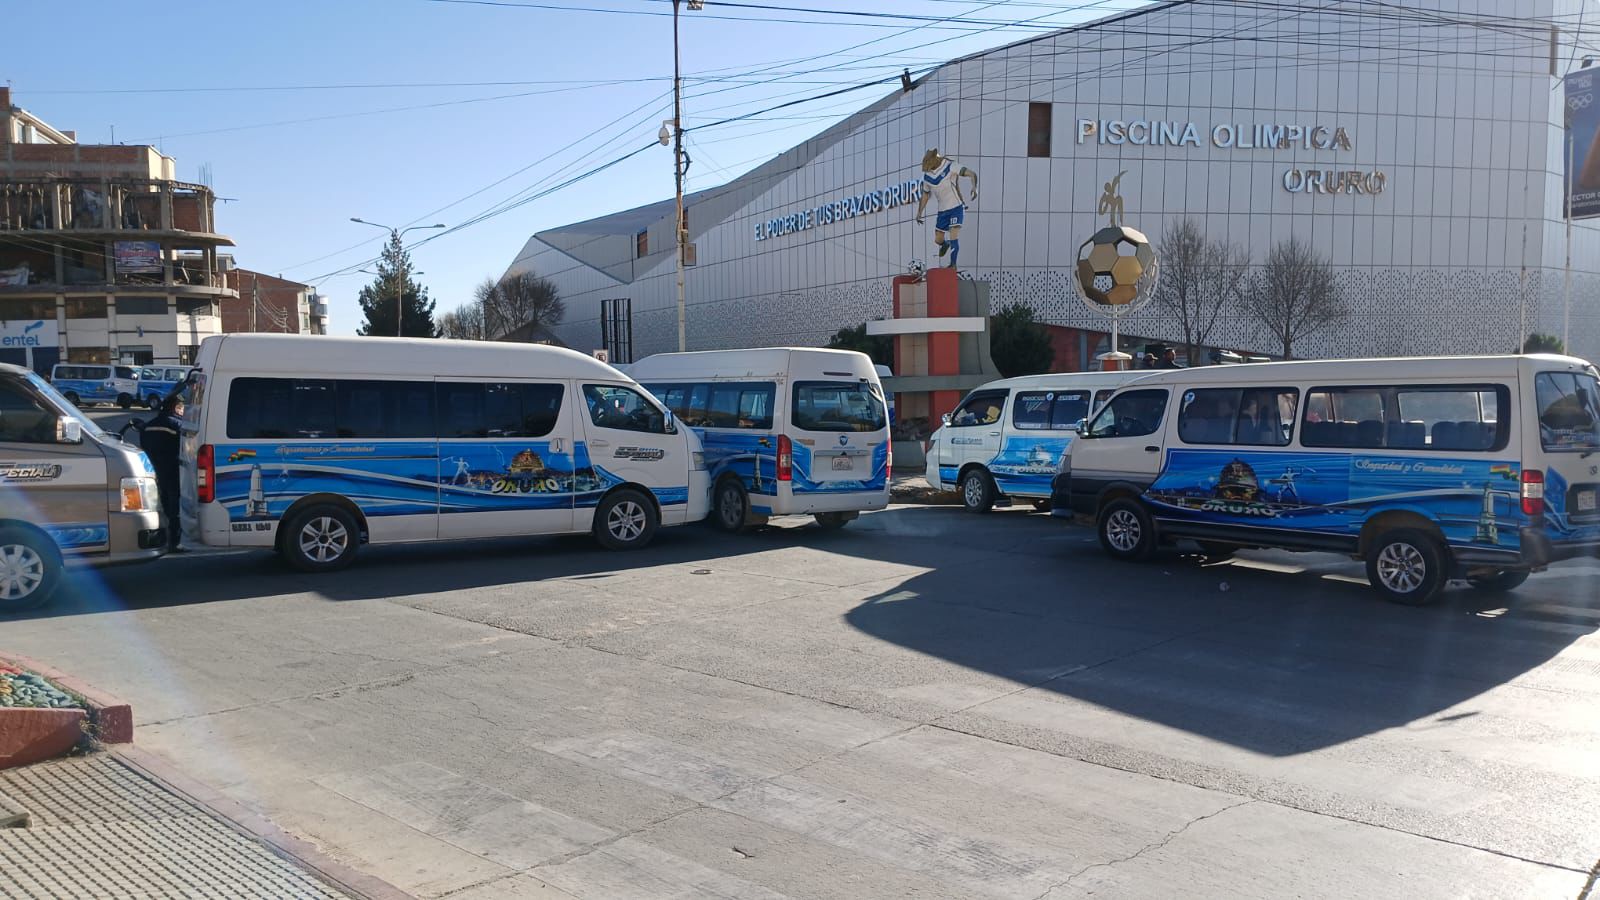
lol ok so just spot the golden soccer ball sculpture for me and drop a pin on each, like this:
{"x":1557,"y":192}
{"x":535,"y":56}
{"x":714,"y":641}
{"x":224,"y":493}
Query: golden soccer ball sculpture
{"x":1117,"y":268}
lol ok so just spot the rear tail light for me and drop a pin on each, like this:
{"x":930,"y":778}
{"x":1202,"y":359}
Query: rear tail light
{"x":1532,"y":492}
{"x":205,"y":474}
{"x":785,"y":458}
{"x":888,"y":465}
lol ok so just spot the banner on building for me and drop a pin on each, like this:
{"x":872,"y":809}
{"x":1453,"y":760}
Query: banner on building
{"x":1581,"y":153}
{"x":137,"y":256}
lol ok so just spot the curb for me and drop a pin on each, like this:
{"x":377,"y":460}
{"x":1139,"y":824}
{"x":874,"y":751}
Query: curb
{"x":254,"y":825}
{"x":111,"y":718}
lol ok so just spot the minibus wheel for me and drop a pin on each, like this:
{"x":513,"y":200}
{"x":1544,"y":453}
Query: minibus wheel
{"x":30,"y":569}
{"x":1503,"y":580}
{"x":125,"y":401}
{"x":152,"y":401}
{"x":730,"y":510}
{"x":1125,"y":530}
{"x":1041,"y":506}
{"x":72,"y":397}
{"x":626,"y":520}
{"x":1406,"y":566}
{"x":977,"y":491}
{"x":833,"y":521}
{"x":320,"y":538}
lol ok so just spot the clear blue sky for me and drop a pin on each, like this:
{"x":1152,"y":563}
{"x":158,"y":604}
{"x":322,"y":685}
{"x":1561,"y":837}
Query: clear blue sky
{"x":298,"y":163}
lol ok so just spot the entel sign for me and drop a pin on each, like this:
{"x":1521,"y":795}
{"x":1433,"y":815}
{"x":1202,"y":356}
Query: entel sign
{"x":20,"y":333}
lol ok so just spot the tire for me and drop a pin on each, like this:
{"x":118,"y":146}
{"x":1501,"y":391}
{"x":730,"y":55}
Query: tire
{"x":977,"y":491}
{"x":320,"y":538}
{"x":1125,"y":529}
{"x":72,"y":397}
{"x":1041,"y":505}
{"x":730,"y":507}
{"x":1501,"y":581}
{"x":1407,"y":566}
{"x":153,"y":401}
{"x":625,"y":520}
{"x":1216,"y":550}
{"x":125,"y":401}
{"x":833,"y":521}
{"x":30,"y":569}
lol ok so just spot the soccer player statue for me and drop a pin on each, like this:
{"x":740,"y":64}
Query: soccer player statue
{"x":939,"y":181}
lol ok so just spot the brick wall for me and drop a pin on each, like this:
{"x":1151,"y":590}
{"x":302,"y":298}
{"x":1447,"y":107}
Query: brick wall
{"x":279,"y":299}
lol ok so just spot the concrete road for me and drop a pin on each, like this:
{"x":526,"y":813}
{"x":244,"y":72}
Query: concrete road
{"x":926,"y":704}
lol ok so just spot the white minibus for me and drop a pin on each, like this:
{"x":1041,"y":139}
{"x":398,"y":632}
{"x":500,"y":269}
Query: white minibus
{"x":1002,"y":441}
{"x":83,"y":383}
{"x":786,"y":430}
{"x":1479,"y":468}
{"x":315,"y":445}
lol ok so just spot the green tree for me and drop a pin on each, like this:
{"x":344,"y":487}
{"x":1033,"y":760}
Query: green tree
{"x":1543,"y":343}
{"x":1018,"y":344}
{"x":879,"y":347}
{"x":378,"y":298}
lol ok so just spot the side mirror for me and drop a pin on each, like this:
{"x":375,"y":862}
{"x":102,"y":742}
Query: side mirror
{"x":1082,"y":426}
{"x":668,"y":422}
{"x":68,"y":430}
{"x":945,"y":418}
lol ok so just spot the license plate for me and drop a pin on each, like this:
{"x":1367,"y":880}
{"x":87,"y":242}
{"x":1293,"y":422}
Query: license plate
{"x":1586,"y":501}
{"x":845,"y":464}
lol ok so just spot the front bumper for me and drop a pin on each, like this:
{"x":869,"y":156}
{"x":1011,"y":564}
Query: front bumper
{"x":1061,"y":496}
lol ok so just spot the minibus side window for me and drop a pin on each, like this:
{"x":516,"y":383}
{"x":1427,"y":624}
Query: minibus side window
{"x":622,"y":408}
{"x":1447,"y":417}
{"x":281,"y":408}
{"x":1031,"y":410}
{"x":22,"y":419}
{"x":1070,"y":407}
{"x":1130,"y":414}
{"x":1569,"y":410}
{"x":982,"y":408}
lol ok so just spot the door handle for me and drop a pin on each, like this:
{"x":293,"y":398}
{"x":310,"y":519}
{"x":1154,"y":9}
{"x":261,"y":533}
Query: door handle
{"x":994,"y":434}
{"x":599,"y":443}
{"x":1152,"y":449}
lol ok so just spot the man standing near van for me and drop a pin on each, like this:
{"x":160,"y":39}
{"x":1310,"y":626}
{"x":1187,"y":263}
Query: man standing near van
{"x":159,"y":438}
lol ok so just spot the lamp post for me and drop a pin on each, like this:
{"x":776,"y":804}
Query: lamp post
{"x":400,"y":281}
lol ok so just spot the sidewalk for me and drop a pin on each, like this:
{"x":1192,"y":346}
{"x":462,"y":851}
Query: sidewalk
{"x":912,"y":487}
{"x":114,"y":824}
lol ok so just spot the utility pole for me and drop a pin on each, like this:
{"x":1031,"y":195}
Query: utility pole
{"x":396,"y":234}
{"x":680,"y":233}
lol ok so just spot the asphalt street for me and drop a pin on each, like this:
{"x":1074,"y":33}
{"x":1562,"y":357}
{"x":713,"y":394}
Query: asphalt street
{"x":925,"y":704}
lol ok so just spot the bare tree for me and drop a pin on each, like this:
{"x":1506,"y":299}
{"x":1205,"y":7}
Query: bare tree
{"x":1200,"y":279}
{"x":465,"y":322}
{"x":516,"y":300}
{"x":1294,"y":294}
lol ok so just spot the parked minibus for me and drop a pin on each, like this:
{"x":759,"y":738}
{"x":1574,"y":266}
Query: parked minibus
{"x":83,"y":383}
{"x":786,"y":430}
{"x":156,"y":382}
{"x":69,"y":493}
{"x":1479,"y":468}
{"x":315,"y":445}
{"x":1001,"y":443}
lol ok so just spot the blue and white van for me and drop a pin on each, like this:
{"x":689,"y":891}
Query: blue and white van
{"x":83,"y":383}
{"x":315,"y":445}
{"x":156,"y":382}
{"x":1002,"y":441}
{"x":1479,"y":468}
{"x":787,"y":431}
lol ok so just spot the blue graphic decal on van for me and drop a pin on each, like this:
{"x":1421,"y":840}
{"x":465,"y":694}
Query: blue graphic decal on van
{"x":1025,"y":464}
{"x":1473,"y":501}
{"x":751,"y":455}
{"x":1577,"y":524}
{"x":79,"y":535}
{"x":874,"y":480}
{"x":88,"y":390}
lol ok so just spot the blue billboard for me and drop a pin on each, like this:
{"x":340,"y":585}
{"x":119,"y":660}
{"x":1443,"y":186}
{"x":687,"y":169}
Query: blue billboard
{"x":1581,"y":156}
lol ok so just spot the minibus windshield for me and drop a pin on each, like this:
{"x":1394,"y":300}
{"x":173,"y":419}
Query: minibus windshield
{"x":1568,"y":416}
{"x":65,"y":408}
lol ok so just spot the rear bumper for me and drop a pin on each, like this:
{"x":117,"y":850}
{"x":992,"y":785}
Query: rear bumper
{"x":825,"y":501}
{"x":1539,"y":550}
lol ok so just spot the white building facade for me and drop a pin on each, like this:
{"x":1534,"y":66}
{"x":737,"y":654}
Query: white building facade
{"x":1418,"y":150}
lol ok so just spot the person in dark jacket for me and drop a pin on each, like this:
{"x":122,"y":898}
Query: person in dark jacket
{"x":159,"y":438}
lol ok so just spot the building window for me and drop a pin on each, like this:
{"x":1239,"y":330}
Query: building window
{"x":186,"y":354}
{"x":141,"y":306}
{"x":641,"y":244}
{"x":11,"y":310}
{"x":86,"y":307}
{"x":616,"y":329}
{"x":1039,"y":129}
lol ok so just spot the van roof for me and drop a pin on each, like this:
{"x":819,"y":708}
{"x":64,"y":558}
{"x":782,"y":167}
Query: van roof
{"x":9,"y":369}
{"x":736,"y":363}
{"x":1067,"y":378}
{"x":312,"y":355}
{"x":1376,"y":368}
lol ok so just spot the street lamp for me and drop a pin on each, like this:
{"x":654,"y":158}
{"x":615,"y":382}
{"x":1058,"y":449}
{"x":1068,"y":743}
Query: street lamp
{"x":400,"y":282}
